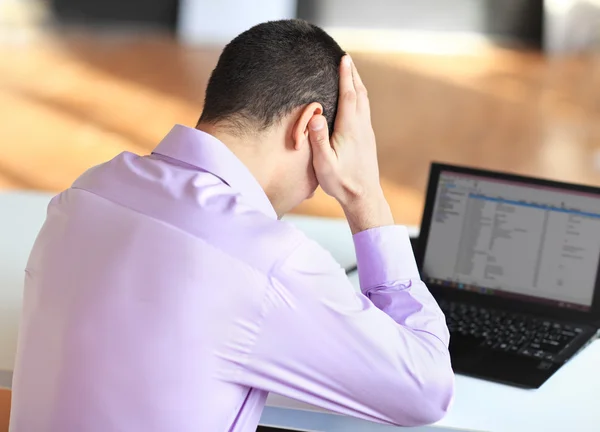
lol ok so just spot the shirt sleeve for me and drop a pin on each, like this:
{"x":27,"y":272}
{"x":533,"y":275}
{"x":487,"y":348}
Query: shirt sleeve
{"x":381,"y":355}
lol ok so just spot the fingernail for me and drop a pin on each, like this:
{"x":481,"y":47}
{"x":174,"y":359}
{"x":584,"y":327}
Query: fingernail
{"x":347,"y":60}
{"x":317,"y":125}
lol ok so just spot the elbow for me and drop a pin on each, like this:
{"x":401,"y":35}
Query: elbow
{"x":436,"y":402}
{"x":430,"y":399}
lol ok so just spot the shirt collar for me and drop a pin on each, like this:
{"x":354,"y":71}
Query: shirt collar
{"x":206,"y":152}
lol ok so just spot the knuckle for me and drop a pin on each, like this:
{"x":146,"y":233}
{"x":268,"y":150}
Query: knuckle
{"x":323,"y":141}
{"x":350,"y":95}
{"x":320,"y":138}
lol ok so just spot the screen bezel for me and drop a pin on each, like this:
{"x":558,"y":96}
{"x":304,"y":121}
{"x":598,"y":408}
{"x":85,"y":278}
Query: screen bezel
{"x":590,"y":316}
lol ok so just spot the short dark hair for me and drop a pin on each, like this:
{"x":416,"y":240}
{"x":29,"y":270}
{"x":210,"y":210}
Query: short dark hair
{"x":271,"y":69}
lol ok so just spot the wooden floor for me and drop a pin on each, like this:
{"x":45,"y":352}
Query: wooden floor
{"x":4,"y":409}
{"x":70,"y":102}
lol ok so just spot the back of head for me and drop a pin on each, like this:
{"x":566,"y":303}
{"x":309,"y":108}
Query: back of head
{"x":271,"y":69}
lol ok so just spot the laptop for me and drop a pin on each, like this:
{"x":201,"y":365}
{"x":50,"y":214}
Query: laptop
{"x":513,"y":262}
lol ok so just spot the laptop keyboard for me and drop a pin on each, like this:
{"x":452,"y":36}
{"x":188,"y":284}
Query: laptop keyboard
{"x":509,"y":332}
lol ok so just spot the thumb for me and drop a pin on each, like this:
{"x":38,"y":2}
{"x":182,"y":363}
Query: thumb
{"x":318,"y":135}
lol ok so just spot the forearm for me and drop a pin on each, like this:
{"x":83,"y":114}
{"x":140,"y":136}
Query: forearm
{"x":390,"y":279}
{"x":368,"y":212}
{"x":322,"y":344}
{"x":351,"y":360}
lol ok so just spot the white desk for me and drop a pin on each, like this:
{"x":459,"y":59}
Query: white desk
{"x":21,"y":217}
{"x":569,"y":401}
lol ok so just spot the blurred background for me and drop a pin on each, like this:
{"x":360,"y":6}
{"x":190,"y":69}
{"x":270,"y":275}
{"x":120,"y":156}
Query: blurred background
{"x":502,"y":84}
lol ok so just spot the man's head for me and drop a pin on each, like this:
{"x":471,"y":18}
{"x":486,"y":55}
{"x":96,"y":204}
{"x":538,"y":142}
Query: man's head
{"x":267,"y":85}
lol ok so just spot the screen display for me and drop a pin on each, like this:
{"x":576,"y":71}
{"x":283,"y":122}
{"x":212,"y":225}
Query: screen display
{"x":512,"y":239}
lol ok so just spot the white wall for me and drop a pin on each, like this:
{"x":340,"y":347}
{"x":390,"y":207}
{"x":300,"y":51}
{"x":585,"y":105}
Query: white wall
{"x":436,"y":26}
{"x":443,"y":15}
{"x":572,"y":26}
{"x":501,"y":18}
{"x":216,"y":22}
{"x":569,"y":25}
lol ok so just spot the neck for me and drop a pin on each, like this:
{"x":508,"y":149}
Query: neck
{"x":252,"y":152}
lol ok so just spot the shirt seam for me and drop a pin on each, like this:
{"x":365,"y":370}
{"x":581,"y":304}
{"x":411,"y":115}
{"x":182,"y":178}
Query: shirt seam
{"x":263,"y":306}
{"x":266,"y":272}
{"x":285,"y":257}
{"x":398,"y":286}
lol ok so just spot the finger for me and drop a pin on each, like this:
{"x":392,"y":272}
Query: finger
{"x":346,"y":80}
{"x":362,"y":96}
{"x":347,"y":97}
{"x":318,"y":135}
{"x":357,"y":80}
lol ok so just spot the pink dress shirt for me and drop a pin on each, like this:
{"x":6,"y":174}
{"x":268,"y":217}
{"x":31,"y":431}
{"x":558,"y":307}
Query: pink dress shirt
{"x":162,"y":294}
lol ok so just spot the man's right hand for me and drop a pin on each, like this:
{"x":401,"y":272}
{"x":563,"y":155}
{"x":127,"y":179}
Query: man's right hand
{"x":346,"y":165}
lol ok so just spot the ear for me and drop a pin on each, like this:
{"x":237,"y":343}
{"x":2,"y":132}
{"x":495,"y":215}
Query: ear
{"x":300,"y":130}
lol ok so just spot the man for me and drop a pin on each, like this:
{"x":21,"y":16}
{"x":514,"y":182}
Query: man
{"x":164,"y":294}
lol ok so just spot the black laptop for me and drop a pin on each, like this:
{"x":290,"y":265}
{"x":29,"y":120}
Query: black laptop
{"x":514,"y":264}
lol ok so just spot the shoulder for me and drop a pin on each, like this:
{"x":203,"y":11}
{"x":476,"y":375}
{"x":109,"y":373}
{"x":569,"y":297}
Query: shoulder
{"x":202,"y":206}
{"x":272,"y":246}
{"x":260,"y":241}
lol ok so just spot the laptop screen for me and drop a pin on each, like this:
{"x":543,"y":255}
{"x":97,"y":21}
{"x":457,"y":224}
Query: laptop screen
{"x":513,"y":239}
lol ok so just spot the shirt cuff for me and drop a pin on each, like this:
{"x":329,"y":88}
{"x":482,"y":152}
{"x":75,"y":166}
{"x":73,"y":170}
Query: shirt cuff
{"x":384,"y":257}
